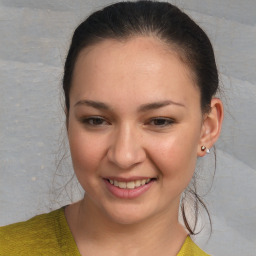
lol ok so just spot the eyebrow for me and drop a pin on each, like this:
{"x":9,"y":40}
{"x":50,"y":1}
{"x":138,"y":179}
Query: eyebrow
{"x":142,"y":108}
{"x":94,"y":104}
{"x":156,"y":105}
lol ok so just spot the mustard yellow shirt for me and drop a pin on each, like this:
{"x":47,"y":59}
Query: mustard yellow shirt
{"x":49,"y":234}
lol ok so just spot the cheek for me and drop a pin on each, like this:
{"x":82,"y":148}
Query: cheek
{"x":175,"y":156}
{"x":176,"y":165}
{"x":86,"y":154}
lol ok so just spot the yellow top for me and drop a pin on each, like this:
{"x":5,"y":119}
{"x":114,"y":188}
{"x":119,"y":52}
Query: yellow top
{"x":49,"y":234}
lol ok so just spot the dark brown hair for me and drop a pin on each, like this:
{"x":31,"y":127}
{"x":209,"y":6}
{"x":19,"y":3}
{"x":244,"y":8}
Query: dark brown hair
{"x":166,"y":22}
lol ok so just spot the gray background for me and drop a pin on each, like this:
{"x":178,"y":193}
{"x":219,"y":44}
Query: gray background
{"x":34,"y":38}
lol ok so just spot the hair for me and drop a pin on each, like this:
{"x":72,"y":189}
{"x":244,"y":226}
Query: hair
{"x":164,"y":21}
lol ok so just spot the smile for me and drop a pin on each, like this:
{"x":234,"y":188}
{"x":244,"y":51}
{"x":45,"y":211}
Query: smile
{"x":128,"y":188}
{"x":129,"y":185}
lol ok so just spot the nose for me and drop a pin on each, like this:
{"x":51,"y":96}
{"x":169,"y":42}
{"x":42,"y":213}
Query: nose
{"x":126,"y":149}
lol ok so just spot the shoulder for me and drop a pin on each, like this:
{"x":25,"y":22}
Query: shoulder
{"x":189,"y":248}
{"x":41,"y":234}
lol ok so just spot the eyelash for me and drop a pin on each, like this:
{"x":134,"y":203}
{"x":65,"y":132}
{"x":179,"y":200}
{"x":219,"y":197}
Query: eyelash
{"x":87,"y":120}
{"x":168,"y":121}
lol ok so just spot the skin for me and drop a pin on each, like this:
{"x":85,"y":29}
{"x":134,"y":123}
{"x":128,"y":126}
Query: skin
{"x":130,"y":140}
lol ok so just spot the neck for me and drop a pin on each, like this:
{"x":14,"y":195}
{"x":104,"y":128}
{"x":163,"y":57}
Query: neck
{"x":92,"y":229}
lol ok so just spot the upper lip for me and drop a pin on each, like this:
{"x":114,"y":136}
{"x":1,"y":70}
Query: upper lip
{"x":133,"y":178}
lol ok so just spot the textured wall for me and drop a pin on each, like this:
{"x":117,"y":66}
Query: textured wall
{"x":34,"y":37}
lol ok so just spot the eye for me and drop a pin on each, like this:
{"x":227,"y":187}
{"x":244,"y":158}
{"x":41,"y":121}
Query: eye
{"x":95,"y":121}
{"x":161,"y":122}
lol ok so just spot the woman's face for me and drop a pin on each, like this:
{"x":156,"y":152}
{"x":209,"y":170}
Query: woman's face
{"x":134,"y":128}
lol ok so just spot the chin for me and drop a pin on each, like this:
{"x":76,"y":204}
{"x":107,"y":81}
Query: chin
{"x":128,"y":215}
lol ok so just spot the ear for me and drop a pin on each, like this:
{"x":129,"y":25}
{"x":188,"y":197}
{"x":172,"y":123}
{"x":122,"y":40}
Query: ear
{"x":211,"y":126}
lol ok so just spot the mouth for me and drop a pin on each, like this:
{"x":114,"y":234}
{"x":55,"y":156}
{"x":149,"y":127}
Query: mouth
{"x":132,"y":184}
{"x":128,"y":188}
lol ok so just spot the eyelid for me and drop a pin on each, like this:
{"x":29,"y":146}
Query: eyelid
{"x":167,"y":121}
{"x":170,"y":121}
{"x":85,"y":120}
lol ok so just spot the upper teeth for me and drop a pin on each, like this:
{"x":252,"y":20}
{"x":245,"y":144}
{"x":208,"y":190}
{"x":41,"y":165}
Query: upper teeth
{"x":130,"y":184}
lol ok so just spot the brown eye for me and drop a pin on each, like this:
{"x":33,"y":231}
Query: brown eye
{"x":95,"y":121}
{"x":161,"y":122}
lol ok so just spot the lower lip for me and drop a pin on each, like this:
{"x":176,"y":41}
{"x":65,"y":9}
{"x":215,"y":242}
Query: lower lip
{"x":128,"y":193}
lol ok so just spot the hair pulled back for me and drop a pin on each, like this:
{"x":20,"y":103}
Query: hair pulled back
{"x":161,"y":20}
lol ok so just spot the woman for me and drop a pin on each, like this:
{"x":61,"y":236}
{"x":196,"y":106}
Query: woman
{"x":139,"y":84}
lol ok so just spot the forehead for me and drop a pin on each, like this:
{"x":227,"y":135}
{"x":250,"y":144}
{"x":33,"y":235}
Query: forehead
{"x":140,"y":66}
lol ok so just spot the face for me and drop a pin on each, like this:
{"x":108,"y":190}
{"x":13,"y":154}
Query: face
{"x":134,"y":128}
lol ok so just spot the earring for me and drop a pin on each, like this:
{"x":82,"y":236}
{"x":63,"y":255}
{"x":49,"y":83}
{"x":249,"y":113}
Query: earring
{"x":207,"y":150}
